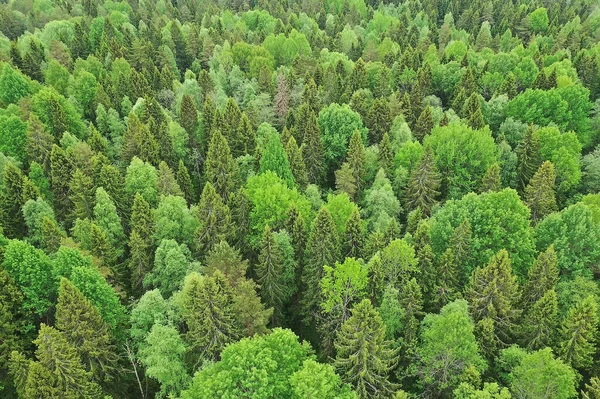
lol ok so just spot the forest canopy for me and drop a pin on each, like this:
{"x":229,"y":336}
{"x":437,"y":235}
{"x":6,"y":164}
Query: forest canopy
{"x":333,"y":199}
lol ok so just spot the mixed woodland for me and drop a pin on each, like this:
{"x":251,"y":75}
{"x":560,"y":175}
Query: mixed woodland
{"x":313,"y":199}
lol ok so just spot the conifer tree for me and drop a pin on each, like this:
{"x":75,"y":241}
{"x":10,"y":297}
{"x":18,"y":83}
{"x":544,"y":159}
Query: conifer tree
{"x":296,"y":161}
{"x":61,"y":170}
{"x":58,"y":372}
{"x":472,"y":112}
{"x":578,"y":334}
{"x":592,"y":389}
{"x":386,"y":155}
{"x":240,"y":216}
{"x":209,"y":109}
{"x":214,"y":220}
{"x":39,"y":143}
{"x":491,"y":180}
{"x":424,"y":124}
{"x":354,"y":237}
{"x":344,"y":181}
{"x":322,"y":249}
{"x":551,"y":82}
{"x":494,"y":294}
{"x":541,"y":277}
{"x":166,"y":183}
{"x":100,"y":245}
{"x":468,"y":83}
{"x":11,"y":202}
{"x":541,"y":81}
{"x":460,"y":242}
{"x":208,"y":314}
{"x":84,"y":328}
{"x":51,"y":235}
{"x":356,"y":159}
{"x":81,"y":194}
{"x":423,"y":185}
{"x":220,"y":167}
{"x":380,"y":120}
{"x":364,"y":357}
{"x":185,"y":183}
{"x":231,"y":120}
{"x":295,"y":226}
{"x":188,"y":115}
{"x":541,"y":322}
{"x":312,"y":151}
{"x":459,"y":102}
{"x":246,"y":137}
{"x":528,"y":157}
{"x":411,"y":300}
{"x":446,"y":287}
{"x":540,"y":194}
{"x":269,"y":271}
{"x":425,"y":256}
{"x":509,"y":86}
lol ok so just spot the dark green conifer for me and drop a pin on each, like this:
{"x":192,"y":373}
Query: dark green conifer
{"x":296,"y":161}
{"x":220,"y":168}
{"x":386,"y":154}
{"x":313,"y":152}
{"x":423,"y":185}
{"x":424,"y":124}
{"x":528,"y":156}
{"x":214,"y":220}
{"x":540,"y":195}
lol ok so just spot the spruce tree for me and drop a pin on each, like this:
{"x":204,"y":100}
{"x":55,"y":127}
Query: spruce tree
{"x":460,"y":242}
{"x":467,"y":82}
{"x":528,"y":156}
{"x":494,"y":293}
{"x":246,"y":137}
{"x":185,"y":183}
{"x":424,"y":124}
{"x":578,"y":334}
{"x":11,"y":202}
{"x":295,"y":226}
{"x":39,"y":143}
{"x":220,"y":167}
{"x":540,"y":194}
{"x":364,"y":357}
{"x":380,"y":120}
{"x":51,"y":235}
{"x":188,"y":115}
{"x":425,"y":256}
{"x":592,"y":389}
{"x":446,"y":286}
{"x":472,"y":112}
{"x":214,"y":220}
{"x":423,"y":184}
{"x":459,"y":102}
{"x":100,"y":246}
{"x":540,"y":322}
{"x":542,"y":276}
{"x":491,"y":179}
{"x":166,"y":183}
{"x":411,"y":300}
{"x":81,"y":194}
{"x":84,"y":328}
{"x":208,"y":315}
{"x":386,"y":155}
{"x":296,"y":161}
{"x":269,"y":270}
{"x":508,"y":86}
{"x":345,"y":182}
{"x":322,"y":249}
{"x":354,"y":236}
{"x":356,"y":159}
{"x":58,"y":372}
{"x":61,"y":171}
{"x":231,"y":120}
{"x":312,"y":151}
{"x":208,"y":113}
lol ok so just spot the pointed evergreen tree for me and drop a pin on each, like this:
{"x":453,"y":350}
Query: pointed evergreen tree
{"x":508,"y":86}
{"x":209,"y":109}
{"x":61,"y":170}
{"x":51,"y":235}
{"x":188,"y":115}
{"x":472,"y":112}
{"x":424,"y":124}
{"x":364,"y":357}
{"x":446,"y":288}
{"x":356,"y":159}
{"x":491,"y":180}
{"x":460,"y":242}
{"x":322,"y":249}
{"x":459,"y":102}
{"x":494,"y":294}
{"x":425,"y":256}
{"x":246,"y":136}
{"x":220,"y":167}
{"x":100,"y":246}
{"x":542,"y":276}
{"x":185,"y":183}
{"x":541,"y":322}
{"x":354,"y":237}
{"x":386,"y":155}
{"x":344,"y":181}
{"x":166,"y":183}
{"x":214,"y":220}
{"x":295,"y":226}
{"x":208,"y":314}
{"x":39,"y":143}
{"x":540,"y":194}
{"x":58,"y":372}
{"x":84,"y":328}
{"x":540,"y":81}
{"x":592,"y":389}
{"x":231,"y":120}
{"x":296,"y":161}
{"x":411,"y":300}
{"x":312,"y":151}
{"x":81,"y":194}
{"x":423,"y":184}
{"x":578,"y":334}
{"x":380,"y":120}
{"x":467,"y":82}
{"x":269,"y":270}
{"x":12,"y":201}
{"x":528,"y":156}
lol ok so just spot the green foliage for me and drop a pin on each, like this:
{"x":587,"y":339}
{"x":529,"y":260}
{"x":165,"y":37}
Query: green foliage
{"x":337,"y":124}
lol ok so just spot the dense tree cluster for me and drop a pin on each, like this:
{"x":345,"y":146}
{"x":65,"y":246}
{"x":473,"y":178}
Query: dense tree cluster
{"x":346,"y":199}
